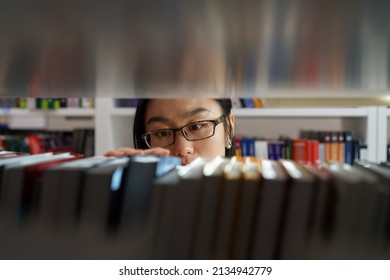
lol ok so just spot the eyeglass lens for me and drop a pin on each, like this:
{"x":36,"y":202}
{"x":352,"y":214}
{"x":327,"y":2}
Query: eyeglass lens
{"x":192,"y":132}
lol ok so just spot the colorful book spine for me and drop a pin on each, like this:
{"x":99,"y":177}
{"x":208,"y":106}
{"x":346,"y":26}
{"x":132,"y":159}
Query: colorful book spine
{"x":300,"y":147}
{"x":349,"y":154}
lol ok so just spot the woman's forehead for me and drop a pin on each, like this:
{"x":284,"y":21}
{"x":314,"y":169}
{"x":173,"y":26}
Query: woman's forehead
{"x":177,"y":107}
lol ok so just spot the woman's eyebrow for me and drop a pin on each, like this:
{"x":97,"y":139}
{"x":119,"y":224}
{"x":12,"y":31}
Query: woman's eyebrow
{"x":185,"y":115}
{"x":156,"y":119}
{"x":195,"y":112}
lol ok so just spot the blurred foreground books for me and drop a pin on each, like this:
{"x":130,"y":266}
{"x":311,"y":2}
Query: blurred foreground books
{"x":64,"y":206}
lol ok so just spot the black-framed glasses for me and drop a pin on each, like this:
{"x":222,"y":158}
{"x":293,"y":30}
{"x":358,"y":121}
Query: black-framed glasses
{"x":192,"y":132}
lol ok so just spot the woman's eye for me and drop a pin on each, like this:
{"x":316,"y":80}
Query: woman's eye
{"x":196,"y":126}
{"x":162,"y":133}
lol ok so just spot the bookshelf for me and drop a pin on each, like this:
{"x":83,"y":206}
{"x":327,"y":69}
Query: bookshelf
{"x":66,"y":119}
{"x":114,"y":125}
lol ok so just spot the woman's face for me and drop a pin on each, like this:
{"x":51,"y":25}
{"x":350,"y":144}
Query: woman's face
{"x":175,"y":113}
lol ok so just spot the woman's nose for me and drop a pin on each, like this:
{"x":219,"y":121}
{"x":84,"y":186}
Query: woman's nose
{"x":182,"y":146}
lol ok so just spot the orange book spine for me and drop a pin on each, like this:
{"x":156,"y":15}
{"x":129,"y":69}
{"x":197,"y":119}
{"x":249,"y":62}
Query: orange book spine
{"x":334,"y":146}
{"x":341,"y":147}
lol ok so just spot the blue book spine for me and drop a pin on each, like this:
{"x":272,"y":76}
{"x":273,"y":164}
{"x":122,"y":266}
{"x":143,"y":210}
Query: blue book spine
{"x":348,"y":148}
{"x":251,"y":146}
{"x":249,"y":103}
{"x":271,"y":150}
{"x":244,"y":147}
{"x":349,"y":154}
{"x":278,"y":151}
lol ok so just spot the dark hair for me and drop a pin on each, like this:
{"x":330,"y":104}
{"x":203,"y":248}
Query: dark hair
{"x":139,"y":124}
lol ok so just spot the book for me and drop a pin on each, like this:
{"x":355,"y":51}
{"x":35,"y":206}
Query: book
{"x":223,"y":237}
{"x":380,"y":218}
{"x":244,"y":144}
{"x":160,"y":220}
{"x":32,"y":182}
{"x":8,"y":154}
{"x":327,"y":146}
{"x":188,"y":194}
{"x":15,"y":161}
{"x":34,"y":144}
{"x":98,"y":182}
{"x":340,"y":147}
{"x":320,"y":214}
{"x":237,"y":144}
{"x":353,"y":204}
{"x":243,"y":220}
{"x":349,"y":156}
{"x":268,"y":211}
{"x":62,"y":190}
{"x":300,"y":153}
{"x":261,"y":149}
{"x":15,"y":190}
{"x":93,"y":225}
{"x":321,"y":146}
{"x":298,"y":199}
{"x":313,"y":151}
{"x":136,"y":186}
{"x":275,"y":150}
{"x":334,"y":146}
{"x":288,"y":148}
{"x":209,"y":197}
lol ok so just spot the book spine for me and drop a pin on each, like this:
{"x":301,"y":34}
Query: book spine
{"x":341,"y":147}
{"x":327,"y":146}
{"x":237,"y":143}
{"x":271,"y":150}
{"x":300,"y":150}
{"x":278,"y":149}
{"x":314,"y":154}
{"x":334,"y":146}
{"x":244,"y":147}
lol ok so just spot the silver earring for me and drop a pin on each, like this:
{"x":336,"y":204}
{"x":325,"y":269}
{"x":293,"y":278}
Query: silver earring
{"x":228,"y":143}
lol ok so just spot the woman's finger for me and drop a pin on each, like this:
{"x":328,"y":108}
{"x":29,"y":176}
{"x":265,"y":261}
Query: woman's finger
{"x":157,"y":151}
{"x":124,"y":151}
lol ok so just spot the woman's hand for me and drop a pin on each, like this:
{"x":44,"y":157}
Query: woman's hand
{"x":135,"y":152}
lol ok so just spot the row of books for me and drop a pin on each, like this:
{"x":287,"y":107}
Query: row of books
{"x":79,"y":141}
{"x":306,"y":150}
{"x":60,"y":206}
{"x":45,"y":103}
{"x":330,"y":59}
{"x":248,"y":103}
{"x":125,"y":102}
{"x":236,"y":102}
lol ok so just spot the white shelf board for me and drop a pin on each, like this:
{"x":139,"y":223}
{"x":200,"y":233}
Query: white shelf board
{"x":291,"y":92}
{"x":301,"y":112}
{"x":58,"y":112}
{"x":123,"y":111}
{"x":82,"y":112}
{"x":277,"y":112}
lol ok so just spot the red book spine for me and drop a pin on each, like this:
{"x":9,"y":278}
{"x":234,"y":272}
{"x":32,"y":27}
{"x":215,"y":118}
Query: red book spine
{"x":314,"y":148}
{"x":300,"y":150}
{"x":237,"y":143}
{"x":34,"y":144}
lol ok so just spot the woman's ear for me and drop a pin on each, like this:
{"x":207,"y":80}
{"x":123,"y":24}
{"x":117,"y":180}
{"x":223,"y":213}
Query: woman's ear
{"x":232,"y":119}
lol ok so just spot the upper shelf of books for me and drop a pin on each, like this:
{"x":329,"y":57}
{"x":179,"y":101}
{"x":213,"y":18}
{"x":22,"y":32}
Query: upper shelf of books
{"x":30,"y":107}
{"x":233,"y":48}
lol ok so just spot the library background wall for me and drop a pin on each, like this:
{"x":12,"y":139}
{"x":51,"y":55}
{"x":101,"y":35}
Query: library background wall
{"x":282,"y":53}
